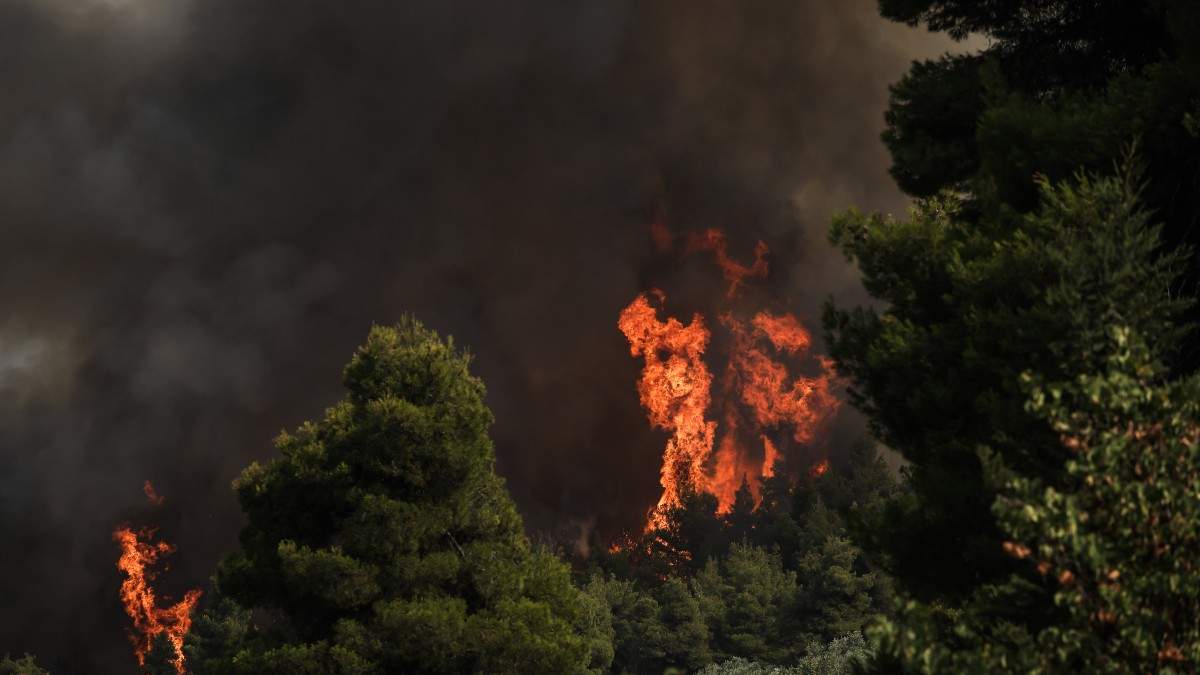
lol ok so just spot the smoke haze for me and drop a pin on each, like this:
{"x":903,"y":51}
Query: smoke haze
{"x":205,"y":204}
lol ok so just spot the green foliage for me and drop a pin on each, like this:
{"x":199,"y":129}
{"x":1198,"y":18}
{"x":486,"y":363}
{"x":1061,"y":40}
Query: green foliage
{"x":931,"y":124}
{"x":684,"y":623}
{"x":972,"y":305}
{"x":639,"y":636}
{"x":746,"y":599}
{"x":1060,"y":87}
{"x":1121,"y":536}
{"x":1118,"y":539}
{"x":836,"y":596}
{"x":161,"y":658}
{"x":217,"y":636}
{"x":1103,"y":545}
{"x":760,"y":582}
{"x":381,"y":540}
{"x":996,"y":275}
{"x":653,"y":632}
{"x":740,"y":666}
{"x":22,"y":666}
{"x":692,"y":534}
{"x":841,"y":656}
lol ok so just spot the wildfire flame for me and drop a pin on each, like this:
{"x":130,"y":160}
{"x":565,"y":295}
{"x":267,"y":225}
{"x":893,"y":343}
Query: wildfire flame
{"x":763,"y":383}
{"x":819,"y":469}
{"x":759,"y":394}
{"x":770,"y":455}
{"x":734,"y":272}
{"x":154,"y":497}
{"x":674,"y":389}
{"x":139,"y":555}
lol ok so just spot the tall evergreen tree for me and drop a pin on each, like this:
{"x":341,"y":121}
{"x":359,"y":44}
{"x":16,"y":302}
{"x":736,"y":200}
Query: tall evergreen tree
{"x":837,"y":595}
{"x":1059,"y":87}
{"x":639,"y":637}
{"x":161,"y":658}
{"x":381,"y":540}
{"x":692,"y":534}
{"x":1103,"y":547}
{"x":746,"y":599}
{"x":740,"y":520}
{"x":973,"y":304}
{"x":653,"y":631}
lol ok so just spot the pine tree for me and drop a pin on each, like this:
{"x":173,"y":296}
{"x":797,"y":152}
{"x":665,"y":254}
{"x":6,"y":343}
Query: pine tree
{"x":837,"y":595}
{"x":1103,"y":549}
{"x":217,"y":636}
{"x":739,"y":522}
{"x":746,"y":599}
{"x":971,"y":307}
{"x":1059,"y":87}
{"x":691,"y":535}
{"x":381,"y":540}
{"x":161,"y":658}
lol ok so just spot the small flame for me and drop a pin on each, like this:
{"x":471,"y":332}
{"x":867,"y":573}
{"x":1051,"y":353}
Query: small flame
{"x":770,"y":456}
{"x":661,"y":234}
{"x":817,"y":470}
{"x":784,"y":331}
{"x":139,"y":554}
{"x":153,"y":496}
{"x":734,"y":272}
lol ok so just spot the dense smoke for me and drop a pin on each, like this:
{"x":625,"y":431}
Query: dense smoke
{"x":205,"y":204}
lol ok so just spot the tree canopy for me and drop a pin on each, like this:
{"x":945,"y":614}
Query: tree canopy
{"x":381,"y":539}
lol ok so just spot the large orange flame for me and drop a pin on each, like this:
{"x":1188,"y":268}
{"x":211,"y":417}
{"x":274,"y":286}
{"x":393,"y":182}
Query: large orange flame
{"x":760,"y":395}
{"x":674,"y":388}
{"x":139,"y":554}
{"x":772,"y":394}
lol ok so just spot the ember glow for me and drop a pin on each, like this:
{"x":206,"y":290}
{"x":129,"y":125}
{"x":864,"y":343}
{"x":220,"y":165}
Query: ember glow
{"x":761,"y":401}
{"x":154,"y":497}
{"x":819,"y":469}
{"x":139,"y":555}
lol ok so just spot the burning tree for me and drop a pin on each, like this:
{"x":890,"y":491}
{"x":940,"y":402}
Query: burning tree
{"x":760,"y":395}
{"x":154,"y":627}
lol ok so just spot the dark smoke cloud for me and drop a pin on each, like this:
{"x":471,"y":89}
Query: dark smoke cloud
{"x":205,"y":204}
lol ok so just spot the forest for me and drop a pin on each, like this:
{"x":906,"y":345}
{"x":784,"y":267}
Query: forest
{"x":1031,"y":360}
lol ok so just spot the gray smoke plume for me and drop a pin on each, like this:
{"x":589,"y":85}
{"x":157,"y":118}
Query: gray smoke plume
{"x":204,"y":204}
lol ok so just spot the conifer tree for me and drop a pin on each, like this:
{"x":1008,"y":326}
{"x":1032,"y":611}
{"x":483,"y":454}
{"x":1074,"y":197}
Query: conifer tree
{"x":161,"y":658}
{"x":382,"y":540}
{"x":972,"y":306}
{"x":746,"y":599}
{"x":739,"y":522}
{"x":1103,"y":549}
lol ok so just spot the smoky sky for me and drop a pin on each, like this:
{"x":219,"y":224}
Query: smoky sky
{"x":204,"y":205}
